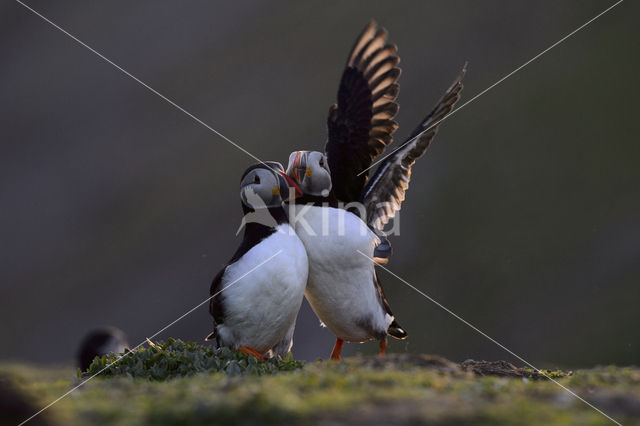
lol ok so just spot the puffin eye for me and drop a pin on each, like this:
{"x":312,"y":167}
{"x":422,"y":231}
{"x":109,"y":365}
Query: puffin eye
{"x":256,"y":179}
{"x":321,"y":163}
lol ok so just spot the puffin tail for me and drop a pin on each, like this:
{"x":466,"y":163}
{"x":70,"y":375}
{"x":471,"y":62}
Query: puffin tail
{"x":395,"y":330}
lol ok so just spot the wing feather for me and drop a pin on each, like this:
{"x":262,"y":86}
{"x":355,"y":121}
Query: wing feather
{"x":385,"y":191}
{"x":361,"y":125}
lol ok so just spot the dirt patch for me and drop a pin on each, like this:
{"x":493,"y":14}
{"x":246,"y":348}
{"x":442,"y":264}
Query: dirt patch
{"x":395,"y":361}
{"x":438,"y":363}
{"x":506,"y":369}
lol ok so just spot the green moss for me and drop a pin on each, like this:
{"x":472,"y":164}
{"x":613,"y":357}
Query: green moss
{"x":175,"y":358}
{"x":413,"y":390}
{"x":554,"y":374}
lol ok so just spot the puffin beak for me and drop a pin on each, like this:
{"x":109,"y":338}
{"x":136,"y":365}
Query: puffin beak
{"x":289,"y":183}
{"x":295,"y":166}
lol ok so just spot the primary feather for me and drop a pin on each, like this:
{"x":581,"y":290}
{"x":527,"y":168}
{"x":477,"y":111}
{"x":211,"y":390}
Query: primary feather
{"x":385,"y":191}
{"x":361,"y":124}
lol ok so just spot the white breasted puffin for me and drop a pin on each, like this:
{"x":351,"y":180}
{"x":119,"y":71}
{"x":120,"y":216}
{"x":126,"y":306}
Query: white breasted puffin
{"x":343,"y":287}
{"x":256,"y":314}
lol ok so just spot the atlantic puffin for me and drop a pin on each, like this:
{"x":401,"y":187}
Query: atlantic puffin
{"x":255,"y":304}
{"x":99,"y":342}
{"x":343,"y":288}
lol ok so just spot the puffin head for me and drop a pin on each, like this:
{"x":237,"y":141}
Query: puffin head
{"x":99,"y":342}
{"x":310,"y":170}
{"x":265,"y":185}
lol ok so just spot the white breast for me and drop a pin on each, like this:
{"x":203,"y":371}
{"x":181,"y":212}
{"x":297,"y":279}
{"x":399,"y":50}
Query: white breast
{"x":341,"y":287}
{"x":261,"y":307}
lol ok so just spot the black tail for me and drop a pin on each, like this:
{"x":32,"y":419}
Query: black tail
{"x":395,"y":330}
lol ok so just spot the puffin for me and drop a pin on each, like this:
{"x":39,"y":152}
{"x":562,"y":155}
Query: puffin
{"x":256,"y":296}
{"x":99,"y":342}
{"x":341,"y":215}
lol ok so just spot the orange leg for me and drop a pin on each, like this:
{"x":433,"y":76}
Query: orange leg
{"x":383,"y":347}
{"x":249,"y":351}
{"x":337,"y":348}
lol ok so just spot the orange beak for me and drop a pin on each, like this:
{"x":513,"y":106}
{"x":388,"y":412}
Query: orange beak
{"x":292,"y":184}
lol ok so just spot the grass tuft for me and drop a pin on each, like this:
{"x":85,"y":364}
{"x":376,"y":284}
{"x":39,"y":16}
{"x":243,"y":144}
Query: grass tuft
{"x":175,"y":358}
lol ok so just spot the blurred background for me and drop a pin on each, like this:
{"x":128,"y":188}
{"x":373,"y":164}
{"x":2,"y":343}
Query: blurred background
{"x":523,"y":217}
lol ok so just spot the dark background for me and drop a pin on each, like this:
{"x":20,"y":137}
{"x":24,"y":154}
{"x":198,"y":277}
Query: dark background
{"x":523,"y":218}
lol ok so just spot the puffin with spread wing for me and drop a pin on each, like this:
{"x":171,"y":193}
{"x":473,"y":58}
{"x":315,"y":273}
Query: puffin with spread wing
{"x":341,"y":239}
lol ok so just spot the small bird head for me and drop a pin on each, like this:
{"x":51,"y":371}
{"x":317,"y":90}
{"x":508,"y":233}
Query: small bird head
{"x":310,"y":170}
{"x":99,"y":342}
{"x":265,"y":185}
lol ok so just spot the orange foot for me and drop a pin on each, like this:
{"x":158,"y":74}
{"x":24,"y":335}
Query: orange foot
{"x":337,"y":348}
{"x":248,"y":351}
{"x":383,"y":347}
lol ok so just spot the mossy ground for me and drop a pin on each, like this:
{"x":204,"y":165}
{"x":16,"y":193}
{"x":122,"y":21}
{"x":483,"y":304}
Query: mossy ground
{"x":401,"y":389}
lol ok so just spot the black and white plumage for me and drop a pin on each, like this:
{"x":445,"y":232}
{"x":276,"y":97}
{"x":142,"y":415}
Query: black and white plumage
{"x":361,"y":126}
{"x":343,"y":287}
{"x":256,"y":311}
{"x":100,"y":342}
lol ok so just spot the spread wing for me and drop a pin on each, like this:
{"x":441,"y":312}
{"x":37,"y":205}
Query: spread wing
{"x":361,"y":124}
{"x":386,"y":189}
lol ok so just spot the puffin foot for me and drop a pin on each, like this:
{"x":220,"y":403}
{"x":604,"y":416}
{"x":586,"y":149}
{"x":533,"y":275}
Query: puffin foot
{"x":248,"y":351}
{"x":383,"y":347}
{"x":337,"y":348}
